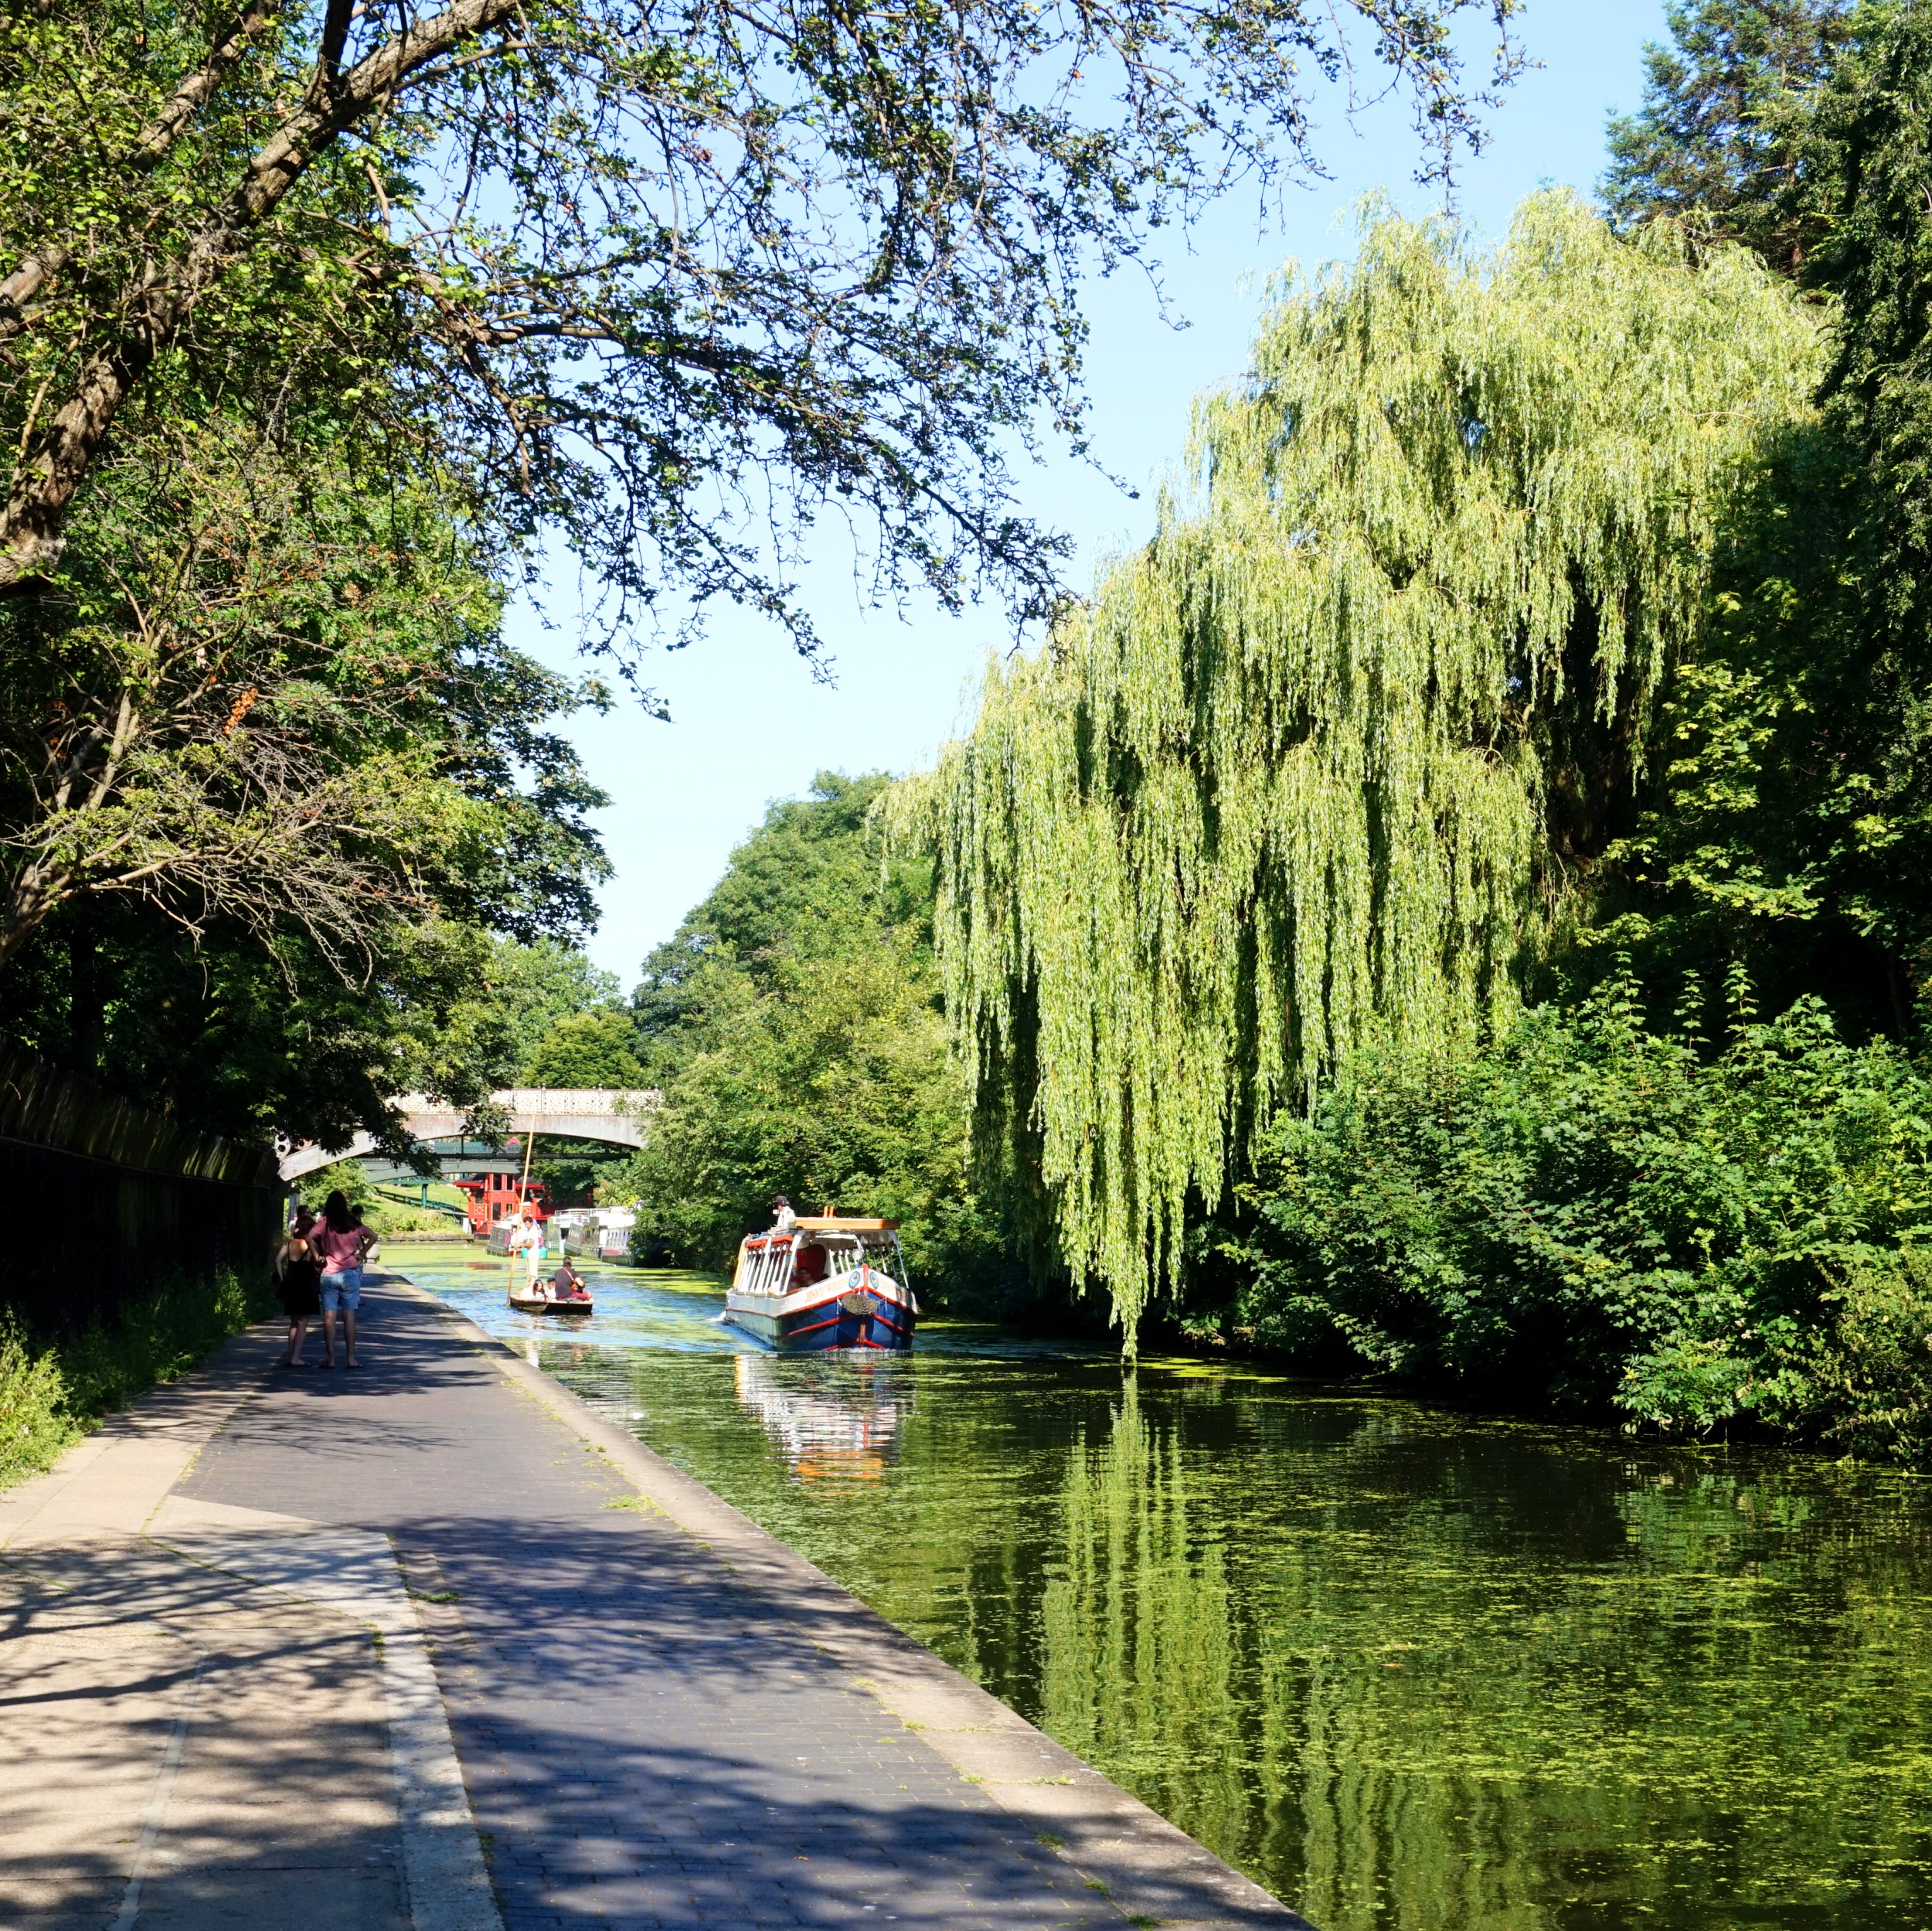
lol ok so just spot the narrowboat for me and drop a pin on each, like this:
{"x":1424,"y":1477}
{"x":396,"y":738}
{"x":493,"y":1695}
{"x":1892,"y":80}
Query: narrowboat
{"x":830,"y":1280}
{"x":602,"y":1233}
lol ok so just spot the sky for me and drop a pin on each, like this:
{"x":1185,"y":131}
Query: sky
{"x":750,"y":724}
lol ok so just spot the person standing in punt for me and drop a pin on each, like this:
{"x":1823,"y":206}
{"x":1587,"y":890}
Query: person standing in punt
{"x":341,"y":1244}
{"x":534,"y":1246}
{"x":298,"y":1277}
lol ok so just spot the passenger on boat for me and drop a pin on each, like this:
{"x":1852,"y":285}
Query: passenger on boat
{"x":567,"y":1284}
{"x":782,"y":1219}
{"x":811,"y":1266}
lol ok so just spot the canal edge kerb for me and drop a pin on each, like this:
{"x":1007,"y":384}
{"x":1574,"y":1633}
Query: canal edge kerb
{"x":1150,"y":1869}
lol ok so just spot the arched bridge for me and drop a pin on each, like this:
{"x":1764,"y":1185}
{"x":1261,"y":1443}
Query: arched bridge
{"x":567,"y":1112}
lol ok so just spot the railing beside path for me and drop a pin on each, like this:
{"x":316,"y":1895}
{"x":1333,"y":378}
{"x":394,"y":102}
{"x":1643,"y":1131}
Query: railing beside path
{"x":110,"y":1198}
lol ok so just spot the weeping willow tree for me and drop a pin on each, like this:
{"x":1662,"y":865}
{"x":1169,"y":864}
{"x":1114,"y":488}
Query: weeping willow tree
{"x":1325,"y":754}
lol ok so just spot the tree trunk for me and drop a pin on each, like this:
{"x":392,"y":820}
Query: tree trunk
{"x":30,"y":526}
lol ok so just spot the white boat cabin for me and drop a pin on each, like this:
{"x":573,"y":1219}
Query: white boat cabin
{"x":817,"y":1247}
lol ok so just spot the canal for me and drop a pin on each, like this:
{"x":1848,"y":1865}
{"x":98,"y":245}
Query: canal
{"x":1407,"y":1667}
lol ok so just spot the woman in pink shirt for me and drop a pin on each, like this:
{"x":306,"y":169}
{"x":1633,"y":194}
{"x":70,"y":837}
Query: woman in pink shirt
{"x":341,"y":1244}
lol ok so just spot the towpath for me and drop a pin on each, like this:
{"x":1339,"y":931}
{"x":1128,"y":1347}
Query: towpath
{"x":431,"y":1647}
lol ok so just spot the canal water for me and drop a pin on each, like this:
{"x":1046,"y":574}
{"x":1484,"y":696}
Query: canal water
{"x":1407,"y":1667}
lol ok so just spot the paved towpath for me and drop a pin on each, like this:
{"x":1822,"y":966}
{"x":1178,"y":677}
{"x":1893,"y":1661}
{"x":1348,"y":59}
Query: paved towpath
{"x":428,"y":1647}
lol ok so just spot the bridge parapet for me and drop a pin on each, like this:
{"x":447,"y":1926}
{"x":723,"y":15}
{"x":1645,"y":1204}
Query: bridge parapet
{"x":607,"y":1114}
{"x":574,"y":1113}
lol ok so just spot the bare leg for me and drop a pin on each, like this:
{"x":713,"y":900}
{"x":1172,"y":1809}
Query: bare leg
{"x":328,"y":1336}
{"x":299,"y":1334}
{"x":349,"y":1335}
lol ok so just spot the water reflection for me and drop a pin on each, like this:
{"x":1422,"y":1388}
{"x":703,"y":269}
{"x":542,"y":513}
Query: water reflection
{"x":1416,"y":1672}
{"x":832,"y":1418}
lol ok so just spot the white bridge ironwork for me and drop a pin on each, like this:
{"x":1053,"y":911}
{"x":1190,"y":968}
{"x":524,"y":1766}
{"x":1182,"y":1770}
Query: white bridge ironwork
{"x":567,"y":1112}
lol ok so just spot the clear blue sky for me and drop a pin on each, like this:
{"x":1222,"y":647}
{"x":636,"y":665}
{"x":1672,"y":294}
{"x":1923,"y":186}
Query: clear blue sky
{"x":751,"y":725}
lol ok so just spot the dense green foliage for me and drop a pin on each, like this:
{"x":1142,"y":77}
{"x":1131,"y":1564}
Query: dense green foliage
{"x":795,"y":1022}
{"x":595,"y":1048}
{"x":1599,"y":1213}
{"x":1328,"y":753}
{"x":1718,"y":144}
{"x":1525,"y":617}
{"x":1789,"y":821}
{"x":51,"y":1393}
{"x":217,"y":1034}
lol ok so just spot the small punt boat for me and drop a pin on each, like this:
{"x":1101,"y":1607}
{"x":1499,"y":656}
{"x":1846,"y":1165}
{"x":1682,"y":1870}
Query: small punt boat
{"x":548,"y":1304}
{"x":833,"y":1281}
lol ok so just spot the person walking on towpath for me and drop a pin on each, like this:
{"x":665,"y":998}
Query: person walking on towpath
{"x":298,"y":1277}
{"x":341,"y":1244}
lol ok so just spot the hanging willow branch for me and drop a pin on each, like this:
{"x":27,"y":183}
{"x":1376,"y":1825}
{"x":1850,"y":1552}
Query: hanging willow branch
{"x":1322,"y":756}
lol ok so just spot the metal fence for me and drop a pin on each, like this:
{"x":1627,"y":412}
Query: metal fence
{"x":107,"y":1200}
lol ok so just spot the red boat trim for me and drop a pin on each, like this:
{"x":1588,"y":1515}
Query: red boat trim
{"x":792,"y":1334}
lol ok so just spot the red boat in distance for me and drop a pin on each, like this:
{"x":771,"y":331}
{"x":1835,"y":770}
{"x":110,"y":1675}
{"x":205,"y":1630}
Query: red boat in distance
{"x":491,"y":1198}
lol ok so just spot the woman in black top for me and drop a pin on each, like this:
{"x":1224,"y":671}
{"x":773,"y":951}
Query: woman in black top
{"x":298,"y":1278}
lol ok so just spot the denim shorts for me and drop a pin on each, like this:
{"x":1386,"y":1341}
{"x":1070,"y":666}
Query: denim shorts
{"x":343,"y":1291}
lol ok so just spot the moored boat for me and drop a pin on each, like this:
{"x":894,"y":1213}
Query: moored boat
{"x":830,"y":1280}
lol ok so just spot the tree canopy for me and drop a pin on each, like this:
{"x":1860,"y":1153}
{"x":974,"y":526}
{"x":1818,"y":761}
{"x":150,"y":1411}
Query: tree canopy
{"x":629,"y":268}
{"x":1342,"y":739}
{"x":795,"y":1022}
{"x":1789,"y":822}
{"x":1718,"y":144}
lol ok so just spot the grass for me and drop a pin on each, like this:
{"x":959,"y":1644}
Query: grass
{"x":52,"y":1392}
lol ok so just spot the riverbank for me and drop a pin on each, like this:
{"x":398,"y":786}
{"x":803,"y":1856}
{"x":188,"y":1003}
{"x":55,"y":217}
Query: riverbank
{"x":659,"y":1713}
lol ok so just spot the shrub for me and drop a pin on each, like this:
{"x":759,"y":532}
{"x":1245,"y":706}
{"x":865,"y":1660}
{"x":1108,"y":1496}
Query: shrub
{"x":51,"y":1392}
{"x":155,"y":1339}
{"x":36,"y":1420}
{"x":1599,"y":1213}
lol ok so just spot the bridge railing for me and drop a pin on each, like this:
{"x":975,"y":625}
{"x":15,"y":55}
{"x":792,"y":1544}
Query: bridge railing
{"x":563,"y":1102}
{"x":588,"y":1113}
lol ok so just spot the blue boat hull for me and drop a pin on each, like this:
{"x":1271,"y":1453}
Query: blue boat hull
{"x":885,"y":1325}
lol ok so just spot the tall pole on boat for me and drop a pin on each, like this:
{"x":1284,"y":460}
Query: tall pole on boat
{"x":522,"y":1202}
